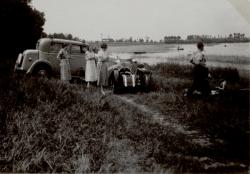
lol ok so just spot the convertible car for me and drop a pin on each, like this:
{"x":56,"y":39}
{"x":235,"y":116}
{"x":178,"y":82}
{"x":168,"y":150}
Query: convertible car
{"x":128,"y":75}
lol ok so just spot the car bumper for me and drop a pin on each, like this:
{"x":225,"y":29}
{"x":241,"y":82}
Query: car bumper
{"x":19,"y":70}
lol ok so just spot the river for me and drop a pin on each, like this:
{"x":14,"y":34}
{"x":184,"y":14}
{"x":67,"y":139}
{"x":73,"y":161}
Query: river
{"x":235,"y":55}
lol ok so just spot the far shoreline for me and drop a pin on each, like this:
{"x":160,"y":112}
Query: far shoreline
{"x":163,"y":43}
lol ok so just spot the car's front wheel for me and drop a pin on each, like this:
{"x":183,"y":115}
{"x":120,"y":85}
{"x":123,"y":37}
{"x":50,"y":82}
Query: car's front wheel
{"x":42,"y":72}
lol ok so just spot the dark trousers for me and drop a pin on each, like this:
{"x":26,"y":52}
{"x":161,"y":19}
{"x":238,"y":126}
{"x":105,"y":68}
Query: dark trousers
{"x":200,"y":80}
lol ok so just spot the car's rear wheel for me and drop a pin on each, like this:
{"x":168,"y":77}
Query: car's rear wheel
{"x":145,"y":82}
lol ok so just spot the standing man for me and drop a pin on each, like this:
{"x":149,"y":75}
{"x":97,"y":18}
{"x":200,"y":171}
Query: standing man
{"x":200,"y":71}
{"x":198,"y":57}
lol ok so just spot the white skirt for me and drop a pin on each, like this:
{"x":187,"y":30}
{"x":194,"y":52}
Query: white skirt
{"x":65,"y":70}
{"x":91,"y":71}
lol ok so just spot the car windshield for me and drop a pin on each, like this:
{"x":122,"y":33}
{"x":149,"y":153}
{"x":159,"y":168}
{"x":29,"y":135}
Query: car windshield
{"x":37,"y":44}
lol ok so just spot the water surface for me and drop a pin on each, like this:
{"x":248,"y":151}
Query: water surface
{"x":220,"y":55}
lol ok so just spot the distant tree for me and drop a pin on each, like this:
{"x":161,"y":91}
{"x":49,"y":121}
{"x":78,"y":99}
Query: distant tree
{"x":43,"y":35}
{"x":63,"y":36}
{"x":119,"y":40}
{"x":21,"y":27}
{"x":77,"y":39}
{"x":130,"y":39}
{"x":69,"y":36}
{"x":25,"y":1}
{"x":141,"y":40}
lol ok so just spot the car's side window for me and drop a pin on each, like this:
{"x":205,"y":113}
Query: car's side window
{"x":82,"y":51}
{"x":75,"y":49}
{"x":55,"y":47}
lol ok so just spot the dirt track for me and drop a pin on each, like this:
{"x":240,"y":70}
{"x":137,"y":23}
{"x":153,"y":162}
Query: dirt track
{"x":194,"y":136}
{"x":158,"y":117}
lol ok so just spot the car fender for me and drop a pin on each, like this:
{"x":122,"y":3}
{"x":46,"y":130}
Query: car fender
{"x":37,"y":63}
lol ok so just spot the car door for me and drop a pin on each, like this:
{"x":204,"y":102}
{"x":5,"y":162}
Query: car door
{"x":51,"y":56}
{"x":77,"y":61}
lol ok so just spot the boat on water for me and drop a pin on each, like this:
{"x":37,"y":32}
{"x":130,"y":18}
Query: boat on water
{"x":140,"y":52}
{"x":180,"y":48}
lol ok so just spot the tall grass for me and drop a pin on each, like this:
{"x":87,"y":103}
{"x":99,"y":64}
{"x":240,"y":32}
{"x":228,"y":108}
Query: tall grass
{"x":174,"y":76}
{"x":48,"y":126}
{"x":223,"y":118}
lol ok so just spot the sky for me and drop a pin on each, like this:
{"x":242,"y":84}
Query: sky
{"x":96,"y":19}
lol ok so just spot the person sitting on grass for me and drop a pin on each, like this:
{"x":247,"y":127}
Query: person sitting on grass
{"x":222,"y":85}
{"x":221,"y":88}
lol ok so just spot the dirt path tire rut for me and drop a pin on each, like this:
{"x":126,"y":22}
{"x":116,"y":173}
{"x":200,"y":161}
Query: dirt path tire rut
{"x":159,"y":118}
{"x":194,"y":137}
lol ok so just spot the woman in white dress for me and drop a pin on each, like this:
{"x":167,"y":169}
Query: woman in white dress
{"x":64,"y":57}
{"x":90,"y":71}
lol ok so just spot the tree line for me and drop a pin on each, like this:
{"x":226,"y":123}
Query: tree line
{"x":62,"y":36}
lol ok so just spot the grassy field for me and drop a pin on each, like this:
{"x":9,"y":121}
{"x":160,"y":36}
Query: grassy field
{"x":48,"y":126}
{"x":223,"y":119}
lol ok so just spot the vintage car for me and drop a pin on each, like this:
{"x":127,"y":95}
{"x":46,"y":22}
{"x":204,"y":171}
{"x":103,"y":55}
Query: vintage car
{"x":43,"y":60}
{"x":129,"y":76}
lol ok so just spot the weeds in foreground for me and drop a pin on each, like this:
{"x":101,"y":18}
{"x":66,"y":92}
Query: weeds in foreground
{"x":48,"y":126}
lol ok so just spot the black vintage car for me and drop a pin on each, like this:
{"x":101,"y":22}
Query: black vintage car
{"x":129,"y":77}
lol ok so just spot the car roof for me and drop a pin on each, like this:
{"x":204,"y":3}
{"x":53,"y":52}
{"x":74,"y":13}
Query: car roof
{"x":68,"y":41}
{"x":55,"y":40}
{"x":44,"y":43}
